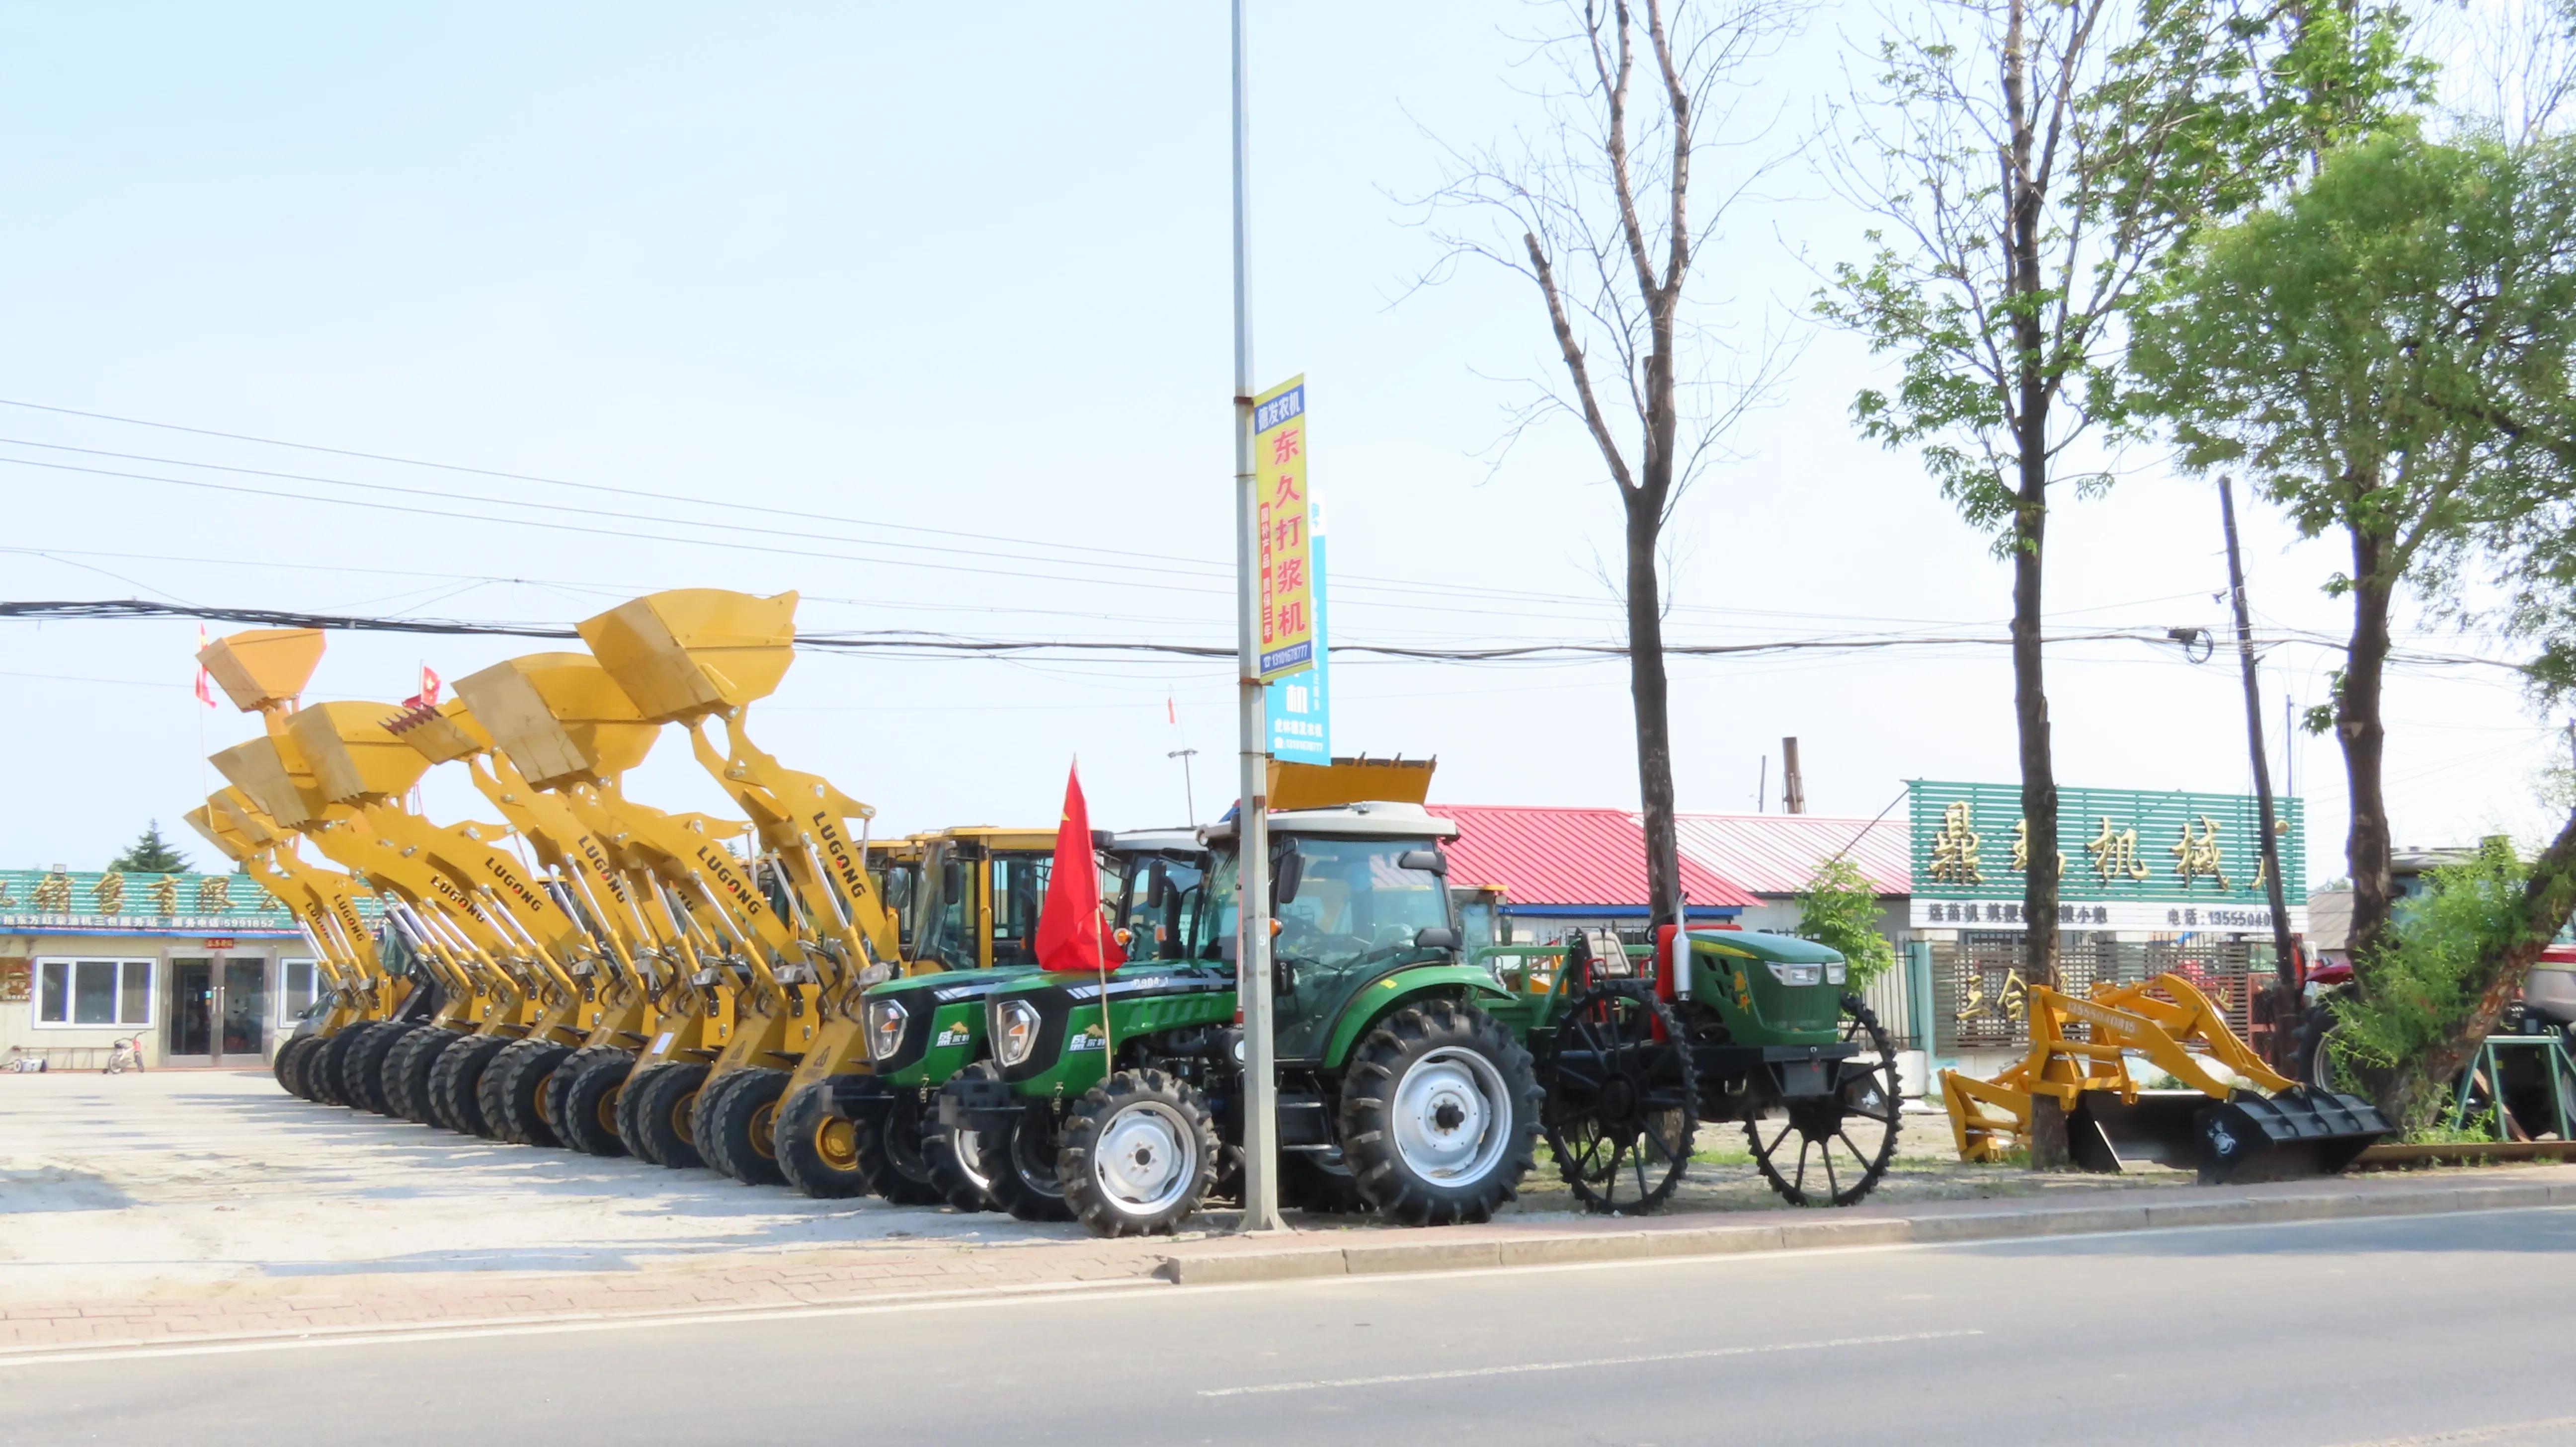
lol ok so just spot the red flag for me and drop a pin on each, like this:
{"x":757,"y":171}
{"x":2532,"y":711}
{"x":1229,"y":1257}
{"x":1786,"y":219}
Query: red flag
{"x":1069,"y":925}
{"x":429,"y":685}
{"x":205,"y":682}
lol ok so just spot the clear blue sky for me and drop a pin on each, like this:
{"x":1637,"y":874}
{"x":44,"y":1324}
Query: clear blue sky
{"x":965,"y":268}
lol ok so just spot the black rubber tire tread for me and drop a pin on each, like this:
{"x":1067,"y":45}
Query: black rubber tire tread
{"x":660,"y":1101}
{"x":1376,"y":1068}
{"x":587,"y":1117}
{"x":888,"y":1143}
{"x":455,"y":1080}
{"x":324,"y":1073}
{"x":955,"y":1164}
{"x":1307,"y":1182}
{"x":1010,"y":1164}
{"x":741,"y":1124}
{"x":363,"y":1073}
{"x":508,"y":1092}
{"x":406,"y":1073}
{"x":551,"y":1094}
{"x":1864,"y":1023}
{"x":711,"y":1147}
{"x":288,"y":1067}
{"x":630,"y":1100}
{"x":796,"y":1140}
{"x":1094,"y":1113}
{"x":1622,"y":1020}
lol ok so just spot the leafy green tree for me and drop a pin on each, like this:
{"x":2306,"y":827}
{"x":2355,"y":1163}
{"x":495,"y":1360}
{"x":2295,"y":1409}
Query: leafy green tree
{"x":2385,"y":353}
{"x":150,"y":854}
{"x":1839,"y":907}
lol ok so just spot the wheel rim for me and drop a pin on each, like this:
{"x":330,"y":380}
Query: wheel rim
{"x":1033,"y":1160}
{"x":682,"y":1111}
{"x":969,"y":1152}
{"x":1452,"y":1115}
{"x":1146,"y":1159}
{"x":837,"y":1142}
{"x":607,"y":1110}
{"x":764,"y":1119}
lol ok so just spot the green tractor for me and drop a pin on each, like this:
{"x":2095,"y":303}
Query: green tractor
{"x":1416,"y":1076}
{"x":925,"y":1029}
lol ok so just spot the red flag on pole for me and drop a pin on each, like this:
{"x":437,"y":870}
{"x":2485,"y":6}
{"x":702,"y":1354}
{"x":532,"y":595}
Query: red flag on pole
{"x":1069,"y":924}
{"x":205,"y":683}
{"x":429,"y":685}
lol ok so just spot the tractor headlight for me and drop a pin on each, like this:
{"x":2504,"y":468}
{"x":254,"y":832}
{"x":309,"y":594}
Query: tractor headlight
{"x":1837,"y":972}
{"x":885,"y":1028}
{"x":1015,"y":1031}
{"x":1798,"y":974}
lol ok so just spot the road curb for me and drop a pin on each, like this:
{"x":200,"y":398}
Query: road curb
{"x":1381,"y":1256}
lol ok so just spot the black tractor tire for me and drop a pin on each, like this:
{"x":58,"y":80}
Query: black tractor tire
{"x":324,"y":1073}
{"x":740,"y":1126}
{"x":406,"y":1073}
{"x":511,"y":1093}
{"x":1440,"y":1115}
{"x":586,"y":1116}
{"x":813,"y":1143}
{"x":711,"y":1148}
{"x":288,"y":1067}
{"x":550,"y":1096}
{"x":455,"y":1082}
{"x":1019,"y":1164}
{"x":663,"y":1103}
{"x":363,"y":1073}
{"x":1138,"y":1154}
{"x":630,"y":1101}
{"x":955,"y":1160}
{"x":887,"y":1139}
{"x":1320,"y":1181}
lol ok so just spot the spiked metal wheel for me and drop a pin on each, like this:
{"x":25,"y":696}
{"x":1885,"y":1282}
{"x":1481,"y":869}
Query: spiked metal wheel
{"x":1841,"y":1141}
{"x":1620,"y":1090}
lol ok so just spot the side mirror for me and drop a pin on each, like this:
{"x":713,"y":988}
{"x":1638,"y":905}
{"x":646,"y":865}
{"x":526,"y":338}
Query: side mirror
{"x":1437,"y":937}
{"x":1285,"y":874}
{"x":1429,"y":861}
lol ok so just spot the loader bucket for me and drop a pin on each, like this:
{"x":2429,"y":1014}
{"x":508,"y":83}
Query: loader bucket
{"x":692,"y":652}
{"x":2296,"y":1133}
{"x":2104,"y":1132}
{"x":232,"y":810}
{"x":559,"y":717}
{"x":264,"y":666}
{"x":230,"y":844}
{"x":353,"y":756}
{"x":1349,"y":781}
{"x":440,"y":732}
{"x":260,"y":771}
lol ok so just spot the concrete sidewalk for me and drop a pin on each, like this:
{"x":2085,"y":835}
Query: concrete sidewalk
{"x":368,"y":1303}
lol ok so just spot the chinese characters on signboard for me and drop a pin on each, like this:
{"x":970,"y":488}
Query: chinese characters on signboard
{"x":2127,"y":859}
{"x":1300,"y":706}
{"x":1286,"y":554}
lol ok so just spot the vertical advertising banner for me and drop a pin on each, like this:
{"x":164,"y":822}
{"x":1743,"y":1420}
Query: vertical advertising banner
{"x":1286,"y":559}
{"x":1300,"y":706}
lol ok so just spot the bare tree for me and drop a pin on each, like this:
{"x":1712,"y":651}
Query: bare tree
{"x":1596,"y":210}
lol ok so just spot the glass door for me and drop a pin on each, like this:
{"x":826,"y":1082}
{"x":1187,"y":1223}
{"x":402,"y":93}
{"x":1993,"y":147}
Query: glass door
{"x":244,"y":1011}
{"x":190,"y":1032}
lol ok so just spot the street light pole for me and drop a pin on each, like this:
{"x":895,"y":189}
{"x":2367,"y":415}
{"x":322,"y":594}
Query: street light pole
{"x":1252,"y":812}
{"x":1189,"y":786}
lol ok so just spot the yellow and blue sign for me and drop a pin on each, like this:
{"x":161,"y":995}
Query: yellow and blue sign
{"x":1285,"y":516}
{"x":1299,"y":707}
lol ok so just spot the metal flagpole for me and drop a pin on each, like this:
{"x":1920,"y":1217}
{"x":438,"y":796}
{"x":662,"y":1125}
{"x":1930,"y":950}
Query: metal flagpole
{"x":1252,"y":814}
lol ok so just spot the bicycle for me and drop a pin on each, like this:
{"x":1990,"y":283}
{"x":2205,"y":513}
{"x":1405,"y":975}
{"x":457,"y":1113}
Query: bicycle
{"x":125,"y":1055}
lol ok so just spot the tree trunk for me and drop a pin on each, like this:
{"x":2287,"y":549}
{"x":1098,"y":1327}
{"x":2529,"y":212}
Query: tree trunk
{"x":2025,"y":284}
{"x":2548,"y":898}
{"x":2359,"y":730}
{"x":1646,"y":687}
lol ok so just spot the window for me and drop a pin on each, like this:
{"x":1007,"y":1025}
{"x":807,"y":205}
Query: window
{"x":294,"y":990}
{"x":75,"y":993}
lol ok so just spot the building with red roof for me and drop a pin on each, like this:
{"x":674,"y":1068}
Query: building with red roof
{"x":1561,"y":869}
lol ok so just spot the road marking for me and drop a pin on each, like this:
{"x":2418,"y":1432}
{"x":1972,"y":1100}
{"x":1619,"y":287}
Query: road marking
{"x":2468,"y":1434}
{"x":1338,"y":1383}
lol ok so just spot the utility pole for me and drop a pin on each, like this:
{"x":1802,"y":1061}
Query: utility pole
{"x":2283,"y":960}
{"x":1793,"y":787}
{"x":1252,"y":809}
{"x":1189,"y":787}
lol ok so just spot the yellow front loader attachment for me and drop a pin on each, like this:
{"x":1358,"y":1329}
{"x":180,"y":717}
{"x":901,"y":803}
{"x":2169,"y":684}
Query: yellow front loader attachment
{"x":2236,"y":1119}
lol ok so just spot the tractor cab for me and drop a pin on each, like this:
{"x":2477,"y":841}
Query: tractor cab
{"x":977,"y":903}
{"x":1154,"y":882}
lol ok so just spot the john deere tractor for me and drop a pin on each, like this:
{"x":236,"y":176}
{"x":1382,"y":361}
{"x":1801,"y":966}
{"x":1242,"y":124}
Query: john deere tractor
{"x":1415,"y":1077}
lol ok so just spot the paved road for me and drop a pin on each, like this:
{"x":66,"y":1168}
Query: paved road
{"x":2449,"y":1329}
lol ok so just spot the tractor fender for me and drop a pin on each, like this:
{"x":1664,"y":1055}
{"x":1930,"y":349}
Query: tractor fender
{"x":1410,"y":985}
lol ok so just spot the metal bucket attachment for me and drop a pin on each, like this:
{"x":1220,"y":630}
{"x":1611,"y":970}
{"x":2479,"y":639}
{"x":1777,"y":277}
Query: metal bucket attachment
{"x":692,"y":652}
{"x":440,"y":732}
{"x":559,"y":717}
{"x":2105,"y":1133}
{"x":259,"y":770}
{"x":2277,"y":1138}
{"x":219,"y":833}
{"x":352,"y":755}
{"x":264,"y":666}
{"x":232,"y":811}
{"x":1349,"y":781}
